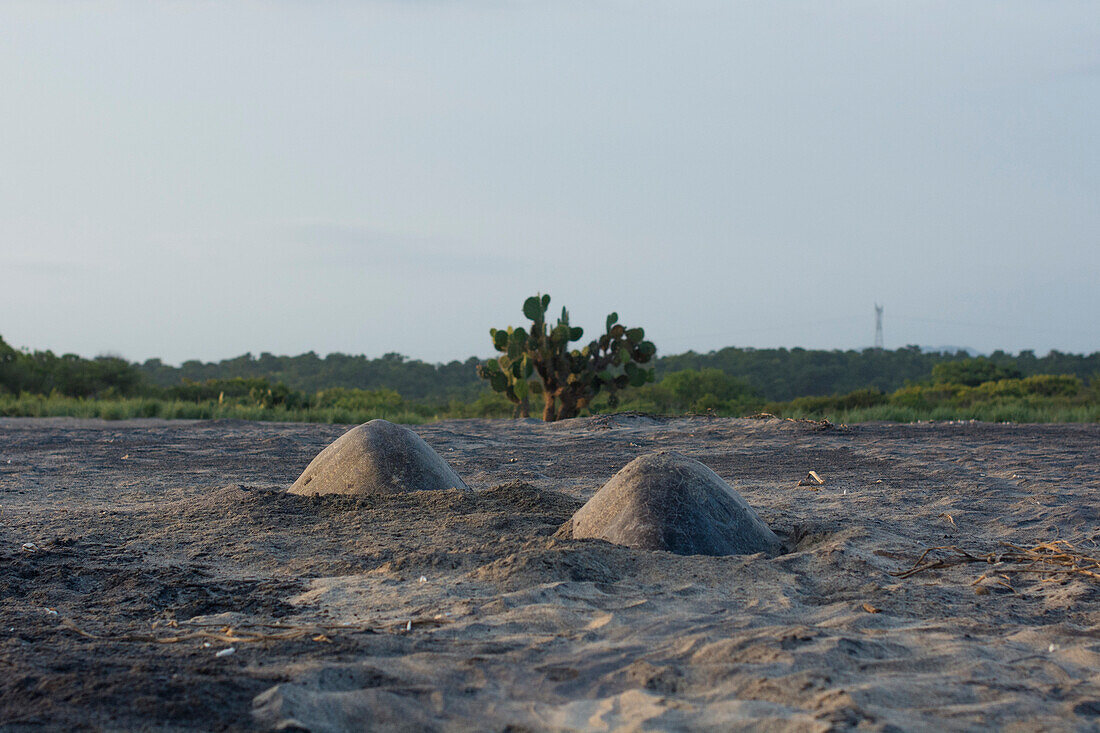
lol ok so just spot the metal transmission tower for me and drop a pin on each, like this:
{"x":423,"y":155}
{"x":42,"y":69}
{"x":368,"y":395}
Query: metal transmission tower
{"x":878,"y":326}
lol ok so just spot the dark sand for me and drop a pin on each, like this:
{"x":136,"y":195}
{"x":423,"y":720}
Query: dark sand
{"x":136,"y":525}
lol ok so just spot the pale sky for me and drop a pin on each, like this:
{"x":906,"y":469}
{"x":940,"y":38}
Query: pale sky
{"x":200,"y":179}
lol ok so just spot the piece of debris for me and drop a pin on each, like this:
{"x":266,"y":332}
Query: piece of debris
{"x":822,"y":424}
{"x":219,"y":633}
{"x":812,"y":479}
{"x":870,"y":609}
{"x":423,"y":579}
{"x":225,"y":652}
{"x":322,"y":637}
{"x":1048,"y":559}
{"x":30,"y":547}
{"x":409,"y":625}
{"x":998,"y":582}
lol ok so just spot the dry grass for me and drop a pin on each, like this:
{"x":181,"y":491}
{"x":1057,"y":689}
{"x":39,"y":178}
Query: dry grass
{"x":1058,"y":557}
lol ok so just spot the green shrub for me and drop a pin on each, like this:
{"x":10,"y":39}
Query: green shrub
{"x":972,"y":372}
{"x":690,"y":390}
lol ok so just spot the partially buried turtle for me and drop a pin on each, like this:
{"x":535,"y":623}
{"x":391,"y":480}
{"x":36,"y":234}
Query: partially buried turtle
{"x":667,"y":501}
{"x":377,"y":458}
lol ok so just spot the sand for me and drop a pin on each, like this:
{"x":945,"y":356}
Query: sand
{"x":451,"y":610}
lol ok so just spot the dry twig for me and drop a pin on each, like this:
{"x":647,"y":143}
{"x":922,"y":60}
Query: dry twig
{"x":1057,"y":557}
{"x":230,"y":635}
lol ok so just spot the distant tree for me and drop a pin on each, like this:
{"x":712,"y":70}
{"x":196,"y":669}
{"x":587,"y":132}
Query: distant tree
{"x":9,"y":368}
{"x":706,"y":389}
{"x":43,"y":372}
{"x":972,"y":372}
{"x":776,"y":374}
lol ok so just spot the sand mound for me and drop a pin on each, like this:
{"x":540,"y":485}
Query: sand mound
{"x":667,"y":501}
{"x":375,"y":458}
{"x":622,"y":420}
{"x":542,"y":561}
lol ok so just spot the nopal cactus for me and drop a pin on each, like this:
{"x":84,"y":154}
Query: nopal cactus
{"x":509,"y":372}
{"x":571,"y":378}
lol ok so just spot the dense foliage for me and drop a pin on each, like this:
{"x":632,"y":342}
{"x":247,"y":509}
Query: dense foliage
{"x":935,"y":386}
{"x":776,"y":374}
{"x":1038,"y":398}
{"x":692,"y":391}
{"x":972,"y":372}
{"x":42,"y":372}
{"x":414,"y":379}
{"x":783,"y":374}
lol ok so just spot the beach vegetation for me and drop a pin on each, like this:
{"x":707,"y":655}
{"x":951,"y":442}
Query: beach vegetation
{"x":972,"y":372}
{"x":571,"y":379}
{"x":43,"y":384}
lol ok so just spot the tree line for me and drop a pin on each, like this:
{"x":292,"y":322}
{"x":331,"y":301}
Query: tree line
{"x":771,"y":375}
{"x":784,"y":374}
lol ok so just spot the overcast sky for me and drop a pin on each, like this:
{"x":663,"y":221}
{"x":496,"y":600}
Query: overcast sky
{"x":201,"y":179}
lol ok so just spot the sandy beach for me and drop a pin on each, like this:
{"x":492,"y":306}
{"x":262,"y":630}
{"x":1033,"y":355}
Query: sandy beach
{"x":134,"y":554}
